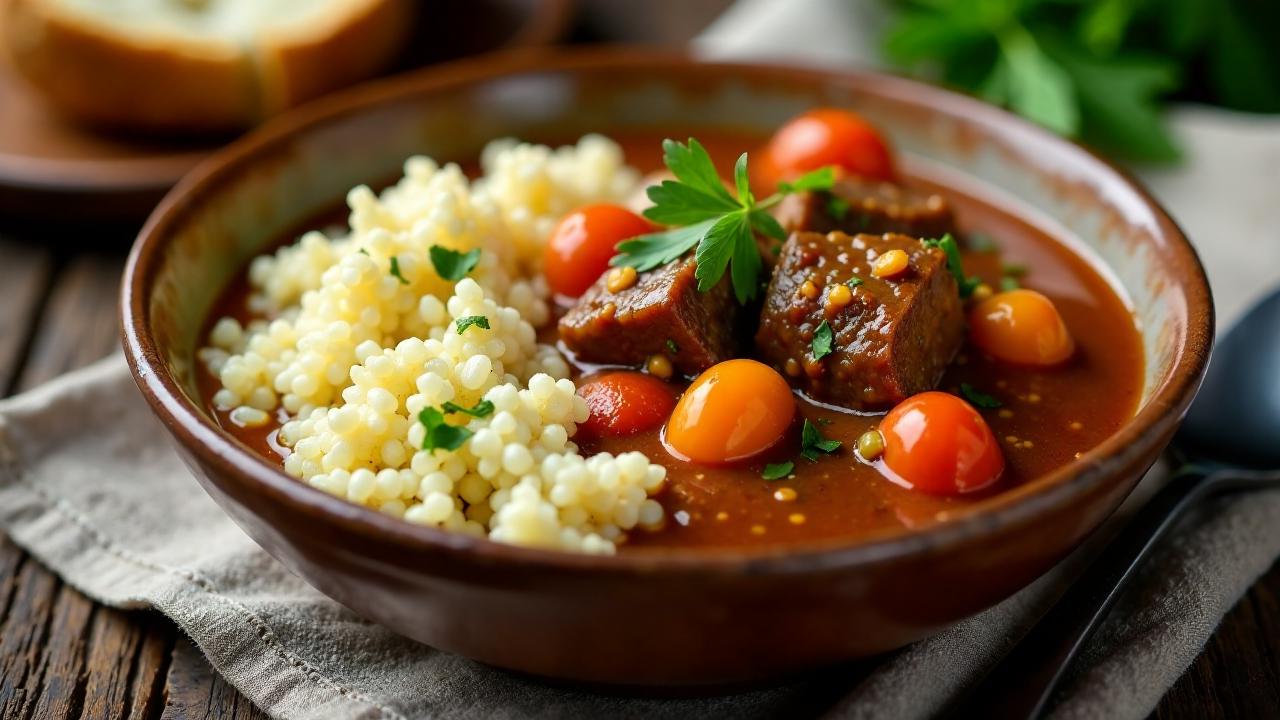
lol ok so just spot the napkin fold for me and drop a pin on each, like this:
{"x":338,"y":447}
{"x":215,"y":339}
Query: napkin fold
{"x":90,"y":485}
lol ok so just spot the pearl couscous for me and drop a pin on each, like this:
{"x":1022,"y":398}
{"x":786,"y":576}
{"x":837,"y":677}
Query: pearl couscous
{"x":421,"y":321}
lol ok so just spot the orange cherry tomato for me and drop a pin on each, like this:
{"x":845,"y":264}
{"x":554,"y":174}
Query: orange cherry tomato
{"x":938,"y":444}
{"x":732,"y":411}
{"x":625,"y":403}
{"x":827,"y":136}
{"x":1021,"y":326}
{"x":583,"y":242}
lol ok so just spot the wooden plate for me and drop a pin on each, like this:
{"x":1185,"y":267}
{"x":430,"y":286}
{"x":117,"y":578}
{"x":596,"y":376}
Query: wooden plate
{"x":54,"y":169}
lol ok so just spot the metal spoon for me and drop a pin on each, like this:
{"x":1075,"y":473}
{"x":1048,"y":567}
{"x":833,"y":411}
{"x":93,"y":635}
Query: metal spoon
{"x":1231,"y":432}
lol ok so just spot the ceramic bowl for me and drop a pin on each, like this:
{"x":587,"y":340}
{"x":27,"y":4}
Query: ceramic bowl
{"x":674,"y":618}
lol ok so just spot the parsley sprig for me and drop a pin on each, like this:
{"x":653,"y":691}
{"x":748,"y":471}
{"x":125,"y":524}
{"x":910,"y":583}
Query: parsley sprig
{"x":706,"y":215}
{"x":1097,"y":69}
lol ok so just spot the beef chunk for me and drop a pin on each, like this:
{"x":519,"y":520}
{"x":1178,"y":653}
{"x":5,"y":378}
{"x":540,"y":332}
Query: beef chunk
{"x":892,"y":340}
{"x":863,"y":206}
{"x":662,"y":313}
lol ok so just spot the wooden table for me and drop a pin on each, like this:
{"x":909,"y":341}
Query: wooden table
{"x":64,"y":656}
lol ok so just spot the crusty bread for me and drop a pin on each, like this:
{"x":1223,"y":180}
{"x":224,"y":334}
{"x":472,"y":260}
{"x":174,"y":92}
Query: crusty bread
{"x":196,"y":65}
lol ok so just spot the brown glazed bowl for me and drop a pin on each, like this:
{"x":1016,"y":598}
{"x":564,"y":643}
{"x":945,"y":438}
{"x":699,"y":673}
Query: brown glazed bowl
{"x":654,"y":618}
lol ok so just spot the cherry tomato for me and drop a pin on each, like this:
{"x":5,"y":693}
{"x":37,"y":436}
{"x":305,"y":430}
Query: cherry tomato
{"x":1021,"y":326}
{"x":938,"y":444}
{"x":732,"y":411}
{"x":827,"y":136}
{"x":625,"y":403}
{"x":583,"y":242}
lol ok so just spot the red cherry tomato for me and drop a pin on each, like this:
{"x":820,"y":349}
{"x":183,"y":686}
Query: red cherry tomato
{"x":827,"y":136}
{"x":938,"y":444}
{"x":583,"y":242}
{"x":735,"y":409}
{"x":625,"y":403}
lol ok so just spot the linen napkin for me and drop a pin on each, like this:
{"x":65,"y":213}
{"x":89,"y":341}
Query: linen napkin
{"x":91,"y":487}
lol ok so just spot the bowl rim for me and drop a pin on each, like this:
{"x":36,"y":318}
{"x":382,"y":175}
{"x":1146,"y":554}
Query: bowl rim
{"x":200,"y":435}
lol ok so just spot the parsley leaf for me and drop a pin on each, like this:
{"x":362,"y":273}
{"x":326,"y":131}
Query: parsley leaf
{"x":710,"y":218}
{"x":463,"y":323}
{"x":947,"y":244}
{"x":484,"y":408}
{"x":777,"y":471}
{"x":440,"y":434}
{"x":978,"y":399}
{"x":821,"y":179}
{"x":672,"y":347}
{"x":853,"y":282}
{"x":837,"y":208}
{"x":395,"y":271}
{"x":451,"y":264}
{"x":812,"y":443}
{"x":1009,"y":282}
{"x":823,"y":340}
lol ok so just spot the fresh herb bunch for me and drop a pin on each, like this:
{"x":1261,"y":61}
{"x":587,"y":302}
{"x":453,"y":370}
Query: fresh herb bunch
{"x":1096,"y":69}
{"x":706,"y":215}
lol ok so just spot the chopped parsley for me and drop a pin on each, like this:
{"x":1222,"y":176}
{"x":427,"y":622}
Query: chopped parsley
{"x":463,"y":323}
{"x":979,"y":399}
{"x":823,"y":340}
{"x":813,"y":444}
{"x":853,"y":282}
{"x":395,"y":271}
{"x":777,"y":471}
{"x":672,"y":347}
{"x":440,"y":434}
{"x":837,"y":208}
{"x":451,"y":264}
{"x":707,"y":216}
{"x":947,"y":245}
{"x":1009,"y":283}
{"x":981,"y":242}
{"x":484,"y":408}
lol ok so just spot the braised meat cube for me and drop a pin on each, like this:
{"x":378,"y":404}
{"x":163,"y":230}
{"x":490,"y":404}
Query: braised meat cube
{"x":660,"y":313}
{"x":864,"y":206}
{"x":890,"y":337}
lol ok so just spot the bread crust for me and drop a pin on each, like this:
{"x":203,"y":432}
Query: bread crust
{"x":99,"y":74}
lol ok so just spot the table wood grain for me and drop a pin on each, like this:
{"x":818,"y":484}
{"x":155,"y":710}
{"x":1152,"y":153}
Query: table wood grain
{"x":64,"y":656}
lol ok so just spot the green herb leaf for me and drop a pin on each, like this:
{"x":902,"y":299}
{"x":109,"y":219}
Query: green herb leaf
{"x":823,"y":340}
{"x":395,"y":271}
{"x":978,"y":399}
{"x":1009,"y":283}
{"x":813,"y":444}
{"x":441,"y":435}
{"x":463,"y":323}
{"x":484,"y":408}
{"x":777,"y":471}
{"x":981,"y":242}
{"x":650,"y":251}
{"x":1013,"y":269}
{"x":821,"y":179}
{"x":364,"y":252}
{"x":672,"y":347}
{"x":451,"y":264}
{"x":854,"y":281}
{"x":720,"y":226}
{"x":837,"y":208}
{"x":948,"y":245}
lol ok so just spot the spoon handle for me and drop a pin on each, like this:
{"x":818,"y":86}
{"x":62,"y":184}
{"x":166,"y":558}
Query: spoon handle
{"x":1022,"y":684}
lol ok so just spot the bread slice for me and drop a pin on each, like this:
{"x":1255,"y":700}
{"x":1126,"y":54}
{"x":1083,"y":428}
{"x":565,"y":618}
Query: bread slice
{"x":196,"y":65}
